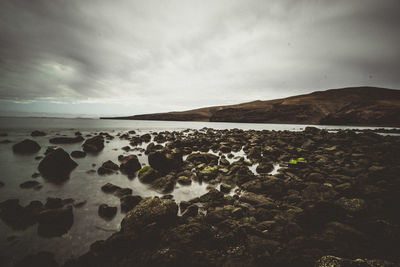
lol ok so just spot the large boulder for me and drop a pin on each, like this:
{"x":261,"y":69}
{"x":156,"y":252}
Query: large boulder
{"x":26,"y":147}
{"x":94,"y":144}
{"x":148,"y":211}
{"x":130,"y":165}
{"x":164,"y":161}
{"x":57,"y":165}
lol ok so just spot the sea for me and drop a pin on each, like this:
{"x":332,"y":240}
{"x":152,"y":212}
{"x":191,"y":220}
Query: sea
{"x":87,"y":227}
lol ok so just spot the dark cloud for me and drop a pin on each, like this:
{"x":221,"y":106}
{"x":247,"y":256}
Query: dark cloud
{"x":145,"y":56}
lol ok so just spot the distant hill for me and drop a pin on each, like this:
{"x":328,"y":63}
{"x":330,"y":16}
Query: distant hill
{"x":369,"y":106}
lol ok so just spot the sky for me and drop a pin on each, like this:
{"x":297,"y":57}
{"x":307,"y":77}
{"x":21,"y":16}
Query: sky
{"x":126,"y":57}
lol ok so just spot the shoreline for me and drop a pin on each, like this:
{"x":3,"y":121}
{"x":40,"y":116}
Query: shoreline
{"x":335,"y":194}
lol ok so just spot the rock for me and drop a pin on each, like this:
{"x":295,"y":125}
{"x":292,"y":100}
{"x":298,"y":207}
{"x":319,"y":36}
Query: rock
{"x":257,"y":200}
{"x":164,"y":184}
{"x":148,"y":211}
{"x":128,"y":202}
{"x":312,"y":130}
{"x":37,"y":133}
{"x":165,"y":162}
{"x":106,"y":211}
{"x":30,"y":184}
{"x":121,"y":192}
{"x":225,"y":188}
{"x":1,"y":184}
{"x":108,"y":167}
{"x":190,"y":211}
{"x":110,"y":188}
{"x":130,"y":165}
{"x":18,"y":217}
{"x":354,"y":205}
{"x":57,"y":166}
{"x":225,"y":149}
{"x":126,"y":148}
{"x":66,"y":140}
{"x":78,"y":154}
{"x":183,"y":180}
{"x":315,"y":177}
{"x":332,"y":261}
{"x":26,"y":147}
{"x":265,"y":167}
{"x":55,"y":222}
{"x":147,"y":174}
{"x":42,"y":259}
{"x":206,"y":158}
{"x":94,"y":144}
{"x":54,"y":203}
{"x":315,"y":191}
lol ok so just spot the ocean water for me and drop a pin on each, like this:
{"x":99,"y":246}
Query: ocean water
{"x":88,"y":227}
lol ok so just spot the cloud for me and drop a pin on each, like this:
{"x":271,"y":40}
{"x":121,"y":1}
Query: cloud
{"x":154,"y":56}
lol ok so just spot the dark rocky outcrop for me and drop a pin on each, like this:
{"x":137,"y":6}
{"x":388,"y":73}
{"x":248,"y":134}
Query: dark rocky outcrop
{"x":55,"y":222}
{"x":43,"y":259}
{"x":57,"y":165}
{"x":26,"y":147}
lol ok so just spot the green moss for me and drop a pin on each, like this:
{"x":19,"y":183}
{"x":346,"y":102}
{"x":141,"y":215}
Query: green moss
{"x":298,"y":160}
{"x":144,"y":170}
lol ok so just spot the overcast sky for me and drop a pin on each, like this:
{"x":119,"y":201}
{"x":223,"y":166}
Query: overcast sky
{"x":102,"y":57}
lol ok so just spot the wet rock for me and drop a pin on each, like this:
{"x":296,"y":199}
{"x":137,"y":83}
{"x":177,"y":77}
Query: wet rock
{"x":42,"y":259}
{"x":57,"y":166}
{"x":165,"y":162}
{"x":264,"y":167}
{"x":315,"y":191}
{"x":108,"y":167}
{"x":130,"y":165}
{"x":147,"y":174}
{"x":208,"y":173}
{"x":354,"y":205}
{"x":148,"y":211}
{"x":37,"y":133}
{"x":257,"y":200}
{"x":110,"y":188}
{"x":106,"y":211}
{"x":94,"y":144}
{"x":190,"y":211}
{"x":78,"y":154}
{"x":126,"y":148}
{"x":332,"y":261}
{"x":66,"y":140}
{"x":225,"y":188}
{"x":206,"y":158}
{"x":129,"y":202}
{"x":312,"y":130}
{"x":55,"y":222}
{"x":30,"y":184}
{"x":26,"y":147}
{"x":225,"y":149}
{"x":121,"y":192}
{"x":18,"y":217}
{"x":54,"y":203}
{"x":164,"y":184}
{"x":1,"y":184}
{"x":183,"y":180}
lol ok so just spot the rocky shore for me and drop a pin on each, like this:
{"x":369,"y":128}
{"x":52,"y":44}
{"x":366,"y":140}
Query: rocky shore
{"x":332,"y":202}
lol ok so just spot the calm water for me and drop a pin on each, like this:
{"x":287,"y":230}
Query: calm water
{"x":88,"y":226}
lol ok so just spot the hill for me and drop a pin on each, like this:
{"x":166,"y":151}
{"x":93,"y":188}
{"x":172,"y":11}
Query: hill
{"x":369,"y":106}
